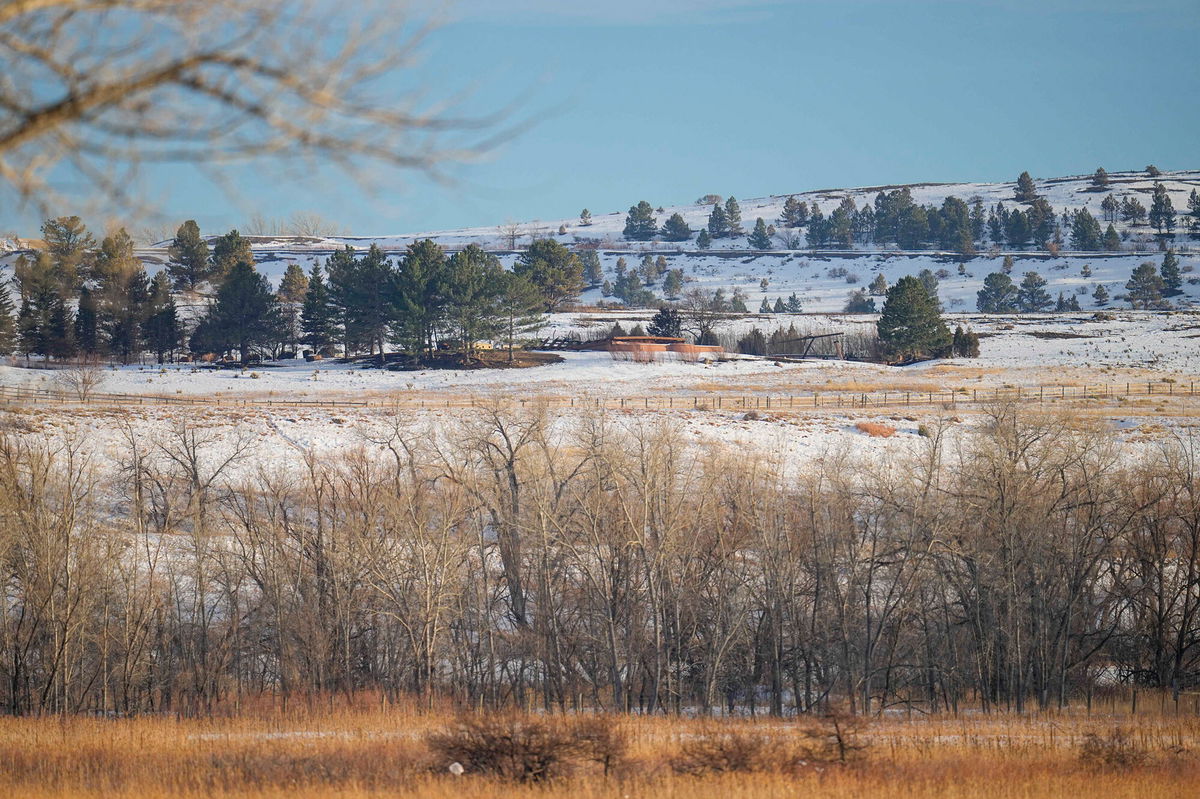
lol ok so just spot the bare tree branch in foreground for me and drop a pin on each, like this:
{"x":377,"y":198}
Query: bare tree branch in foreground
{"x":92,"y":90}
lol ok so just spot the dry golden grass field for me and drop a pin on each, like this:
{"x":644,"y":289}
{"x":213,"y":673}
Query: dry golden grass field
{"x":397,"y":752}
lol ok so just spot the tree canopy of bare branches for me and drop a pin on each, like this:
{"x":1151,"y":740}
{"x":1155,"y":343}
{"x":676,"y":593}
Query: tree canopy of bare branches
{"x":92,"y":90}
{"x":604,"y":563}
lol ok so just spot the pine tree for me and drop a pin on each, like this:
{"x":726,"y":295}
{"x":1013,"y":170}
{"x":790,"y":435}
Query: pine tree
{"x":930,"y":281}
{"x":71,"y":248}
{"x":673,"y":284}
{"x":703,"y":239}
{"x":593,"y":272}
{"x":779,"y":307}
{"x":1100,"y":179}
{"x":245,"y":313}
{"x":188,"y":265}
{"x":606,"y":288}
{"x":910,"y":324}
{"x":795,"y":213}
{"x":759,"y":238}
{"x":676,"y":229}
{"x":1145,"y":287}
{"x":519,"y":307}
{"x":1026,"y":191}
{"x":859,"y":302}
{"x":1100,"y":295}
{"x":1112,"y":240}
{"x":418,"y":295}
{"x":1162,"y":212}
{"x":640,"y":224}
{"x":228,"y":251}
{"x":473,"y":282}
{"x":965,"y":343}
{"x":554,"y":270}
{"x":879,"y":285}
{"x":733,"y":215}
{"x":1016,"y":229}
{"x":161,"y":328}
{"x":647,"y":270}
{"x":122,"y":310}
{"x":1085,"y":231}
{"x":818,"y":228}
{"x":59,"y":337}
{"x":753,"y":343}
{"x":793,"y":304}
{"x":1110,"y":207}
{"x":87,"y":337}
{"x":115,"y":261}
{"x":765,"y":306}
{"x":28,"y":328}
{"x":718,"y":223}
{"x":998,"y":295}
{"x":1171,"y":277}
{"x":294,"y":284}
{"x":1132,"y":210}
{"x":318,"y":317}
{"x":585,"y":217}
{"x":292,"y":289}
{"x":8,"y":323}
{"x":666,"y":323}
{"x":1032,"y":296}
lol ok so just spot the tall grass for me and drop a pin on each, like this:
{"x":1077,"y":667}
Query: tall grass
{"x":378,"y":751}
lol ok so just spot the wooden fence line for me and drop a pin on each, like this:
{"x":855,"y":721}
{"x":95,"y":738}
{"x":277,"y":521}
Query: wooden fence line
{"x":13,"y":395}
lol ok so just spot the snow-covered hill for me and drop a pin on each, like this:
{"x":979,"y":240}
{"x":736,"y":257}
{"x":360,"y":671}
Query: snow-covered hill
{"x":822,"y":279}
{"x":1064,"y":193}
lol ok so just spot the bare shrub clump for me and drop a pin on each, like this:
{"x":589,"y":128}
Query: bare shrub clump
{"x":528,"y":749}
{"x":81,"y":380}
{"x":1117,"y":750}
{"x":720,"y":749}
{"x":725,"y":748}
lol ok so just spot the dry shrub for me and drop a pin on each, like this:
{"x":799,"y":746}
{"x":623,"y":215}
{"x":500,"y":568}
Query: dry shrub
{"x":840,"y":738}
{"x":527,"y":748}
{"x":876,"y":429}
{"x":1117,"y":750}
{"x":718,"y":750}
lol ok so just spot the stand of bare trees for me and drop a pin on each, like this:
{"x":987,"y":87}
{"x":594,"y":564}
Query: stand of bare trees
{"x":515,"y":561}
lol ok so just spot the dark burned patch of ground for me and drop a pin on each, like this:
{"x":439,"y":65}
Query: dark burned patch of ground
{"x":482,"y":360}
{"x":1057,"y":334}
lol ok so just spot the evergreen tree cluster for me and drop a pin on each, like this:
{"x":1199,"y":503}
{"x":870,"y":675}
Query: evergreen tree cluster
{"x":426,"y":300}
{"x":80,"y":299}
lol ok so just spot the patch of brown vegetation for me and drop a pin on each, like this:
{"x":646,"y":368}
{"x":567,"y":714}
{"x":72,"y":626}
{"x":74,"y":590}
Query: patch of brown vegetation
{"x":875,"y":429}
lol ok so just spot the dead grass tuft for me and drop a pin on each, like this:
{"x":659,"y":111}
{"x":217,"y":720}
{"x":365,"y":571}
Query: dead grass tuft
{"x":876,"y":429}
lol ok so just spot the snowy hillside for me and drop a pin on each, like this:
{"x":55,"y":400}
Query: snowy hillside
{"x":1064,"y":193}
{"x":821,"y":279}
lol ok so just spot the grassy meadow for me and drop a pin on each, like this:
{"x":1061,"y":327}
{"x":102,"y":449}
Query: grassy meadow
{"x":378,"y":750}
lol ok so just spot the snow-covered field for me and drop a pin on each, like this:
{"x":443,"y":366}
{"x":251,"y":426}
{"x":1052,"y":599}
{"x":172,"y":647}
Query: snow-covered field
{"x":1015,"y":350}
{"x":1088,"y":348}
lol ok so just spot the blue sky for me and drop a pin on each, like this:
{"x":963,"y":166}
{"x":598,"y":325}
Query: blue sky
{"x":670,"y":100}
